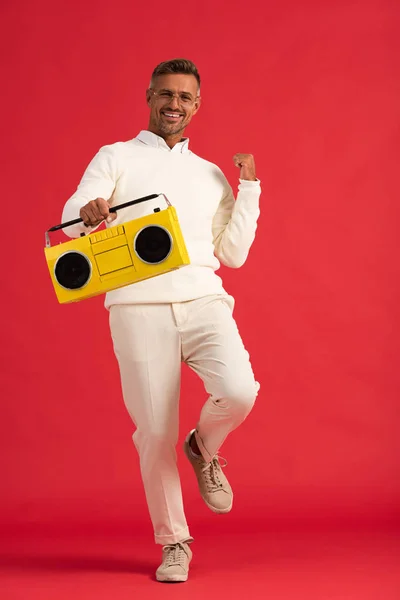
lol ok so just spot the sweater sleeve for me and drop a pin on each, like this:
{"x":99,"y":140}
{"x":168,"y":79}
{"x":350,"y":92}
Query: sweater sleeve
{"x":98,"y":181}
{"x":235,"y":222}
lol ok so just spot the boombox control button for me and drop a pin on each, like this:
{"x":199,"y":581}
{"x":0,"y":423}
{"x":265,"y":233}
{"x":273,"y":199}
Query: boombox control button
{"x":107,"y":234}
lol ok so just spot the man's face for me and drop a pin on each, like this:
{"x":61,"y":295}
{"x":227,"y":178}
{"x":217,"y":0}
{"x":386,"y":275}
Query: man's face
{"x":169,"y":115}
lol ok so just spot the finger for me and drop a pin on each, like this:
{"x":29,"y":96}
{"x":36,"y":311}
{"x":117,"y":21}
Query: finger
{"x":95,"y":211}
{"x":111,"y":217}
{"x":102,"y":206}
{"x":244,"y":157}
{"x":86,"y":217}
{"x":105,"y":209}
{"x":93,"y":215}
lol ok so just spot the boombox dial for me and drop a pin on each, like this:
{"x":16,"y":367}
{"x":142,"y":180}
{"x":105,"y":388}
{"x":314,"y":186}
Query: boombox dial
{"x":72,"y":270}
{"x":153,"y":244}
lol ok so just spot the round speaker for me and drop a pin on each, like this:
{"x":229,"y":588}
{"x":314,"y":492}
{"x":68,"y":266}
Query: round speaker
{"x":72,"y":270}
{"x":153,"y":244}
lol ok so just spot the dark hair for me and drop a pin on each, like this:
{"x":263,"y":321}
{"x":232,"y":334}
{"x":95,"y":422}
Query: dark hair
{"x":177,"y":65}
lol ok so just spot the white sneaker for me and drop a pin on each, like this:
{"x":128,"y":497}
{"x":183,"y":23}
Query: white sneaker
{"x":175,"y":562}
{"x":213,"y":484}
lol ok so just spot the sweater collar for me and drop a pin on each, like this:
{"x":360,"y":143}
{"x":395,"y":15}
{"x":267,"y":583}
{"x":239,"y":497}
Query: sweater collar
{"x":151,"y":139}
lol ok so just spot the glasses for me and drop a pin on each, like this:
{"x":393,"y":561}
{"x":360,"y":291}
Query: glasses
{"x":183,"y":98}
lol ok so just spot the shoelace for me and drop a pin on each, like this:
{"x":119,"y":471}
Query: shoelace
{"x":175,"y":554}
{"x":211,"y":473}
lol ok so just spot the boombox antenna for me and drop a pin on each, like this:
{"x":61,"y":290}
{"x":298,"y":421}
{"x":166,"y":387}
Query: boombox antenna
{"x":112,"y":209}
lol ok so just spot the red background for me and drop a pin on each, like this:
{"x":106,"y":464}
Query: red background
{"x":312,"y":90}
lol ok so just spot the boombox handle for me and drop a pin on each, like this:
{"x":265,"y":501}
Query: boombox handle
{"x":112,"y":209}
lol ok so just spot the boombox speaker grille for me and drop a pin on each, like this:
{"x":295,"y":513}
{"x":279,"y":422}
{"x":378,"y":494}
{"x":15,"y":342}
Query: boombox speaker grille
{"x":153,"y":244}
{"x":72,"y":270}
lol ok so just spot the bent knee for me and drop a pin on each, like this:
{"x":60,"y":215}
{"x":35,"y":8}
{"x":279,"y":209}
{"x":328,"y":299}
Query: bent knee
{"x":240,"y":397}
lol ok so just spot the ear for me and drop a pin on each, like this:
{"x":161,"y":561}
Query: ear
{"x":197,"y":105}
{"x":149,"y":96}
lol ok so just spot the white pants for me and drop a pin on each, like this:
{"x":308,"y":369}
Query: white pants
{"x":150,"y":342}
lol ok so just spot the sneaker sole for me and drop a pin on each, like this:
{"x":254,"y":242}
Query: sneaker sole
{"x":218,"y":511}
{"x":173,"y":579}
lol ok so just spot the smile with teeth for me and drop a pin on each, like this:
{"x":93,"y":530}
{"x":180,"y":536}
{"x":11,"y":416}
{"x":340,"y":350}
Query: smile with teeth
{"x":172,"y":115}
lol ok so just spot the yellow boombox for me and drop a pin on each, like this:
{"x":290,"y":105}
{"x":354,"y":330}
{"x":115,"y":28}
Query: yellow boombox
{"x":117,"y":256}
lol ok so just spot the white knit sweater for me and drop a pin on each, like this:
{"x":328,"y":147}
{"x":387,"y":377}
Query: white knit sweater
{"x":215,"y":227}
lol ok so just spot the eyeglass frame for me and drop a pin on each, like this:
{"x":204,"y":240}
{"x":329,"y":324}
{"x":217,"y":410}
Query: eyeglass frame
{"x":173,"y":95}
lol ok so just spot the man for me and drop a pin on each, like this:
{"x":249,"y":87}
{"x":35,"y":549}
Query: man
{"x":181,"y":316}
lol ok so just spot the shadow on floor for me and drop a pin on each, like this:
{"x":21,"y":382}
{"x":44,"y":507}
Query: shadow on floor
{"x":77,"y":563}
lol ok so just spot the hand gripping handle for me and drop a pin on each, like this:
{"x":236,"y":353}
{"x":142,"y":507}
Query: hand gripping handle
{"x":112,"y":209}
